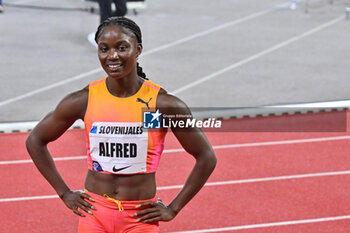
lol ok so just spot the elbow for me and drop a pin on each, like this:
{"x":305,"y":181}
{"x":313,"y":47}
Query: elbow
{"x":212,"y":162}
{"x":32,"y":143}
{"x":29,"y":143}
{"x":209,"y":161}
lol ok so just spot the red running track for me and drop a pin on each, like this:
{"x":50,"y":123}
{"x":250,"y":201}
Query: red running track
{"x":260,"y":170}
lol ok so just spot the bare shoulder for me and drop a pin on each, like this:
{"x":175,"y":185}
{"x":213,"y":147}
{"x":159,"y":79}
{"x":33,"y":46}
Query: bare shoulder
{"x":74,"y":104}
{"x":54,"y":124}
{"x":168,"y":100}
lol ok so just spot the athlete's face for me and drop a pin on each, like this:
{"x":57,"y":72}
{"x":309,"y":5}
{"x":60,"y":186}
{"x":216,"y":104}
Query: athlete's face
{"x":118,"y":52}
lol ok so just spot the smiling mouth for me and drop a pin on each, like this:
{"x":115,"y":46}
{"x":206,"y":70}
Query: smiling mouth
{"x":114,"y":66}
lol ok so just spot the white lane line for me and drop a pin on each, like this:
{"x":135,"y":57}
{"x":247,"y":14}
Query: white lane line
{"x":214,"y":29}
{"x":28,"y":198}
{"x":51,"y":86}
{"x":272,"y":224}
{"x":166,"y":46}
{"x":30,"y":161}
{"x":23,"y":1}
{"x":325,"y":104}
{"x":258,"y":55}
{"x":217,"y":147}
{"x":209,"y":184}
{"x":265,"y":179}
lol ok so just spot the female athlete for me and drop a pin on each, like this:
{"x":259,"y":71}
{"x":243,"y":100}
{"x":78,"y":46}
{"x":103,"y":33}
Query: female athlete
{"x":123,"y":156}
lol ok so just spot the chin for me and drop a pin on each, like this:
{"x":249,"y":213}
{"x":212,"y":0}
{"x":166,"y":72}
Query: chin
{"x":118,"y":75}
{"x":115,"y":76}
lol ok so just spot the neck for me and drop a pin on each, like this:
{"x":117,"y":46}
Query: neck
{"x":124,"y":87}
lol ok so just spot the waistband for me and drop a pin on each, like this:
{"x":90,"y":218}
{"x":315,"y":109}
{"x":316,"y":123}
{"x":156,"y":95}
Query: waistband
{"x":117,"y":204}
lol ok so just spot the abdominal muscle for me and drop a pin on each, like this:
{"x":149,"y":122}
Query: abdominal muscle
{"x":122,"y":187}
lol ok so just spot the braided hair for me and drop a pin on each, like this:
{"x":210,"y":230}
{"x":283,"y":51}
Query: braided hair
{"x":129,"y":27}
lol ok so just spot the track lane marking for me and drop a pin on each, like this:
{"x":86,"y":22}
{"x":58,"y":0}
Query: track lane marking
{"x":217,"y":147}
{"x":208,"y":184}
{"x":265,"y":179}
{"x":23,"y":1}
{"x":272,"y":224}
{"x":151,"y":51}
{"x":258,"y":55}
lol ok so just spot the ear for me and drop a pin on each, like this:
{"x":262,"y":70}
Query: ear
{"x":139,"y":50}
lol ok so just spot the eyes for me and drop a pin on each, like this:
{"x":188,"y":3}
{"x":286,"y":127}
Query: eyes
{"x":120,"y":48}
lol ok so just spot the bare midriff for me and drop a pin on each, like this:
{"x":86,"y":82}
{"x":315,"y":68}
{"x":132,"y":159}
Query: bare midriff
{"x":122,"y":187}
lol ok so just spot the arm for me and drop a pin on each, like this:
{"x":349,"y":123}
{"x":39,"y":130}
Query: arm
{"x":195,"y":143}
{"x":71,"y":108}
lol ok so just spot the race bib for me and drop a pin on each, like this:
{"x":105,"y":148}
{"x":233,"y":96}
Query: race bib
{"x":118,"y":147}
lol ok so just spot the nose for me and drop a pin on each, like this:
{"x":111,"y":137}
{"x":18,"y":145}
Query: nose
{"x":113,"y":54}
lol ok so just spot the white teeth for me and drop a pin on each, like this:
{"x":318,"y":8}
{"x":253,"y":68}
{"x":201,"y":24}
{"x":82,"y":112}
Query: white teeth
{"x":114,"y":66}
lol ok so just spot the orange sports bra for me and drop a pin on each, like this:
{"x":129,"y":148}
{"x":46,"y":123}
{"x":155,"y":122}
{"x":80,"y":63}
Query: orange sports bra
{"x":117,"y":143}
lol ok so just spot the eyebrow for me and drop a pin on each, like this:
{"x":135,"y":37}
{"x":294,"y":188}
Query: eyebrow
{"x":124,"y":41}
{"x":119,"y":42}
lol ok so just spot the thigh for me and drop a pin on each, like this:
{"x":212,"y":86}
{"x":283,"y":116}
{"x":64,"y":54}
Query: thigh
{"x":132,"y":226}
{"x":101,"y":220}
{"x":144,"y":228}
{"x":89,"y":224}
{"x":121,"y":7}
{"x":105,"y":9}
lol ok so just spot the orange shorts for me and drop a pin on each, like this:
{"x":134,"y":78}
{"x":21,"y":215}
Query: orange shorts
{"x":113,"y":216}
